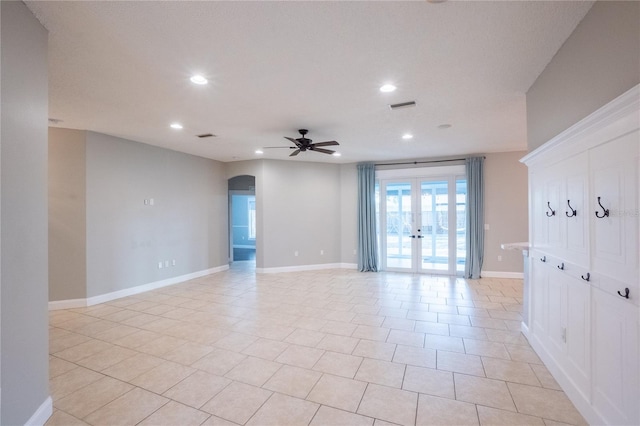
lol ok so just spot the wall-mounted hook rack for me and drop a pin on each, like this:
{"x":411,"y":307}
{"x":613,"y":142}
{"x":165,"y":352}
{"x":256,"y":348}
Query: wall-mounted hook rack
{"x":574,"y":212}
{"x":587,"y":278}
{"x":553,"y":212}
{"x":626,"y":293}
{"x":543,"y":259}
{"x":605,"y":212}
{"x":561,"y":266}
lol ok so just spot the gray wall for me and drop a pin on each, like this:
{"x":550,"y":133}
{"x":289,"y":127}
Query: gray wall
{"x":301,"y":212}
{"x":597,"y":63}
{"x":348,"y":213}
{"x":506,"y":210}
{"x":67,"y":214}
{"x":126,"y":238}
{"x":299,"y":208}
{"x":23,"y":230}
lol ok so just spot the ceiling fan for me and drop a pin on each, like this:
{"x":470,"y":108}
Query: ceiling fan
{"x":304,"y":144}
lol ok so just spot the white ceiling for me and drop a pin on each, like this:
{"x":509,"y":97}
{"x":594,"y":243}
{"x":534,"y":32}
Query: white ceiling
{"x":123,"y":68}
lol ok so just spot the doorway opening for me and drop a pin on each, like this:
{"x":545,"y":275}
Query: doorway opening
{"x":242,"y":219}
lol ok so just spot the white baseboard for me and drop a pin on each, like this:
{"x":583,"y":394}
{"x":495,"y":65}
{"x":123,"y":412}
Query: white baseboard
{"x":42,"y":414}
{"x":302,"y":268}
{"x":501,"y":274}
{"x":102,"y":298}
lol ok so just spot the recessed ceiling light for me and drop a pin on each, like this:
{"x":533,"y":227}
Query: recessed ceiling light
{"x":444,"y":126}
{"x":407,"y":136}
{"x":176,"y":126}
{"x":198,"y":79}
{"x":387,"y":88}
{"x":258,"y":151}
{"x":336,"y":154}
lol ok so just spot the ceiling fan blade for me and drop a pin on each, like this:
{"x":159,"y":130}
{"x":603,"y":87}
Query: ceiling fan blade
{"x":293,"y":140}
{"x":326,"y":143}
{"x":294,"y":153}
{"x":279,"y":147}
{"x":324,"y":151}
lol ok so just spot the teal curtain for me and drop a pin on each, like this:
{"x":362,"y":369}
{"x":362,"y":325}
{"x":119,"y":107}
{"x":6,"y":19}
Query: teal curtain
{"x":475,"y":217}
{"x":367,"y":239}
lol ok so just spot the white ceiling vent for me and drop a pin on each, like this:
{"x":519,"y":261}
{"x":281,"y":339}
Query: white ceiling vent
{"x":403,"y":105}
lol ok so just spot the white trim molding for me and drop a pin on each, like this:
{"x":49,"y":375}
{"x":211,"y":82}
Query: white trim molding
{"x":302,"y":268}
{"x":42,"y":414}
{"x":502,"y":274}
{"x":102,"y":298}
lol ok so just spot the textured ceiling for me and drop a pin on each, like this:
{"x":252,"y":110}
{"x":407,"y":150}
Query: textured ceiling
{"x":123,"y":68}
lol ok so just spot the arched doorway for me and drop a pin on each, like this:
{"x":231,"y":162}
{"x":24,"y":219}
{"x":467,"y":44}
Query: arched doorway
{"x":242,"y":219}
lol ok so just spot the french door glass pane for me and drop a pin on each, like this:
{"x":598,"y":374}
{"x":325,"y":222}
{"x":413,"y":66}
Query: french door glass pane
{"x":461,"y":226}
{"x":434,"y":199}
{"x":398,"y":204}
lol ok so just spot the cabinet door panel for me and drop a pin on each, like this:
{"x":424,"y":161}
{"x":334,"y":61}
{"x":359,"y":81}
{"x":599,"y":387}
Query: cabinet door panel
{"x":577,"y":225}
{"x":616,"y":385}
{"x":557,"y":314}
{"x":578,"y":334}
{"x":539,"y":287}
{"x":555,"y":232}
{"x":615,"y":181}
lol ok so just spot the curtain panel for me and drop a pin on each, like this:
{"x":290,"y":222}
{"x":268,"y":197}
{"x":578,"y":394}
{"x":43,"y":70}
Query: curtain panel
{"x":475,"y":217}
{"x":367,"y":238}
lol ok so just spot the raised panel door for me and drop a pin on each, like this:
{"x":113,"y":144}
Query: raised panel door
{"x":615,"y":391}
{"x":614,"y":199}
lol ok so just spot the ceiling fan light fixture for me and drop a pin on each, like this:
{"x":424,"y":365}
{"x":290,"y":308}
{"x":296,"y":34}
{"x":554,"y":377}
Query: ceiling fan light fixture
{"x":259,"y":151}
{"x":176,"y":126}
{"x":407,"y":136}
{"x":336,"y":154}
{"x":198,"y":79}
{"x":386,"y":88}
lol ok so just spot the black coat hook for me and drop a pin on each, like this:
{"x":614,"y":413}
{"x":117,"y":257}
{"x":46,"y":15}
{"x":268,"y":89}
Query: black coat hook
{"x":605,"y":211}
{"x":626,"y":293}
{"x":561,"y":266}
{"x":574,"y":212}
{"x":587,"y":277}
{"x":543,"y":259}
{"x":553,"y":212}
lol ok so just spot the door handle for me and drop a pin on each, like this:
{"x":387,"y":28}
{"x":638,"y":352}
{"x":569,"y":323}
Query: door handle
{"x":420,"y":236}
{"x":412,"y":236}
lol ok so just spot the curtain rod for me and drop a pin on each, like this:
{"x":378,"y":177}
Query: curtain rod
{"x":423,"y":162}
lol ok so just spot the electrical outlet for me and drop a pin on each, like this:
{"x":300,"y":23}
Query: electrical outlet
{"x":486,"y":227}
{"x":321,"y":252}
{"x":159,"y":265}
{"x":295,"y":253}
{"x":354,"y":251}
{"x":173,"y":262}
{"x":166,"y":263}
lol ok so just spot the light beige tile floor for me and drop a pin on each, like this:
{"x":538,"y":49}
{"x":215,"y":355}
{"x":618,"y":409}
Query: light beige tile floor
{"x":311,"y":348}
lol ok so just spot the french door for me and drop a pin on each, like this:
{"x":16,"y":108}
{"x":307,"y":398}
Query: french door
{"x":422,"y":224}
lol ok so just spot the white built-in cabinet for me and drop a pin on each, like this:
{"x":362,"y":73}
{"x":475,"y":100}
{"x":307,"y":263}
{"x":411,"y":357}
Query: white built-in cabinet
{"x":584,"y":285}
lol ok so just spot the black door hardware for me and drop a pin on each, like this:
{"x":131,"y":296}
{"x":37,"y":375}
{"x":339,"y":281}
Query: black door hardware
{"x":587,"y":277}
{"x":561,"y":266}
{"x":573,"y":211}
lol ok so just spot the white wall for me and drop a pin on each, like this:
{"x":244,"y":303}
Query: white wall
{"x":23,"y":230}
{"x":598,"y":62}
